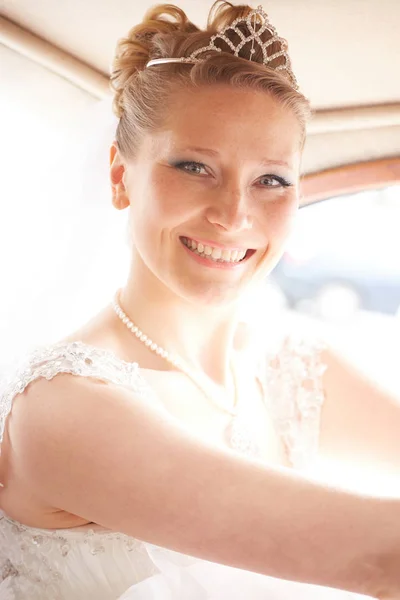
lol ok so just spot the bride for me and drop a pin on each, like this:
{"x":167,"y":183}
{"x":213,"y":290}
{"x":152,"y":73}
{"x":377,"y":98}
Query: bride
{"x":157,"y":452}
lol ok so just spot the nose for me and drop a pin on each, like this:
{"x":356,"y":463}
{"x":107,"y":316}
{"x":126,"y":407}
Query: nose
{"x":229,"y":211}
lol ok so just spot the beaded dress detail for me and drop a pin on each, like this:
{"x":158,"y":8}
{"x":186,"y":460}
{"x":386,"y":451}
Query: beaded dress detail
{"x":91,"y":563}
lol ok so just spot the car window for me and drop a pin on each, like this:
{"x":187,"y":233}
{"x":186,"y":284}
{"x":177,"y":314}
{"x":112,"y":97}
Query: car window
{"x":341,"y":274}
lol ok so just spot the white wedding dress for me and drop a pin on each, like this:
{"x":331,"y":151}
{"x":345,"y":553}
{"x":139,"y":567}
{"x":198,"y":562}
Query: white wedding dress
{"x":91,"y":563}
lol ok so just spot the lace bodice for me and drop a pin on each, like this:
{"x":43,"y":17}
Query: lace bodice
{"x":89,"y":562}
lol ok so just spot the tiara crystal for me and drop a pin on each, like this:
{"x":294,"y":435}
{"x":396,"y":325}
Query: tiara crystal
{"x":252,"y":20}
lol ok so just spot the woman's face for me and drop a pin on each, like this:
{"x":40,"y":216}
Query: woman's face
{"x":213,"y":193}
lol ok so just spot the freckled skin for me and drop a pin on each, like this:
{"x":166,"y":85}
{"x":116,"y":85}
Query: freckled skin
{"x":229,"y":200}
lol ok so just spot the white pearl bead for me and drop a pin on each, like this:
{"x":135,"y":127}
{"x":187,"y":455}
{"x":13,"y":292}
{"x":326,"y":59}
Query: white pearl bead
{"x":164,"y":354}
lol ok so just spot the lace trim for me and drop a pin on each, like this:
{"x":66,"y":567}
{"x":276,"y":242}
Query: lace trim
{"x":65,"y":539}
{"x":36,"y":545}
{"x":293,"y":380}
{"x":76,"y":358}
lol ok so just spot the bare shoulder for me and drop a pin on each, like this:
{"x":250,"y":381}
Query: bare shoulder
{"x":67,"y":411}
{"x":34,"y":428}
{"x":104,"y":454}
{"x":69,"y":433}
{"x":30,"y":411}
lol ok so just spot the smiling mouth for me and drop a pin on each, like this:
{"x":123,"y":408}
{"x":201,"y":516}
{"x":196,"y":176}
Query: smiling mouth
{"x":217,"y":255}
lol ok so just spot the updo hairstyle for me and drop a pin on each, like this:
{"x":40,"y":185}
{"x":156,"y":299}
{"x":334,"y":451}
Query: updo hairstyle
{"x":141,"y":94}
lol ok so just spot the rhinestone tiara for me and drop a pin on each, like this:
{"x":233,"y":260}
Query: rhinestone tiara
{"x":252,"y":19}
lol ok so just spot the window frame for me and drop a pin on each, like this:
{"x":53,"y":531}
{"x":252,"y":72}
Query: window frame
{"x":349,"y":179}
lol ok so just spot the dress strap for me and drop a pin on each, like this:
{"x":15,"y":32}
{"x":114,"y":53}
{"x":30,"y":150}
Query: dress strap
{"x":295,"y":395}
{"x":76,"y":358}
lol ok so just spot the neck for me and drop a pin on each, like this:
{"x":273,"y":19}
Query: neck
{"x":203,"y":337}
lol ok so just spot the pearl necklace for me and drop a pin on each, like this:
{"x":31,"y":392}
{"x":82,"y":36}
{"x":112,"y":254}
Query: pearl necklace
{"x":236,"y":432}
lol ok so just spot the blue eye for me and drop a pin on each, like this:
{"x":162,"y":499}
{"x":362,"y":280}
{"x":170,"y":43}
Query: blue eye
{"x":190,"y":167}
{"x":281,"y":181}
{"x":195,"y":168}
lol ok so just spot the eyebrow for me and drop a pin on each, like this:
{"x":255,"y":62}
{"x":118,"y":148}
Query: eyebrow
{"x":215,"y":153}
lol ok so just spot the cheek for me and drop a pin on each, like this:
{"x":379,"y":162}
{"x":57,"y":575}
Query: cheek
{"x":164,"y":204}
{"x":172,"y":200}
{"x":279,"y":217}
{"x":278,"y":222}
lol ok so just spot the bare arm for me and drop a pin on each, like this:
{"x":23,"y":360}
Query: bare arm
{"x":103,"y":454}
{"x":360,"y":421}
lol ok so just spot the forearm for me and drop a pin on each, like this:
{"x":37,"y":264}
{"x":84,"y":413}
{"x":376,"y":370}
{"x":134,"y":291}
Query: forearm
{"x":316,"y":534}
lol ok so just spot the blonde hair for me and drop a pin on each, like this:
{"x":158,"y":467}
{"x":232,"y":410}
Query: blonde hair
{"x":141,"y":94}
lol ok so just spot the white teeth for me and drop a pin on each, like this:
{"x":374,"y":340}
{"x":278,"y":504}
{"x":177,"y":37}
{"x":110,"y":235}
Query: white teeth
{"x":216,"y":254}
